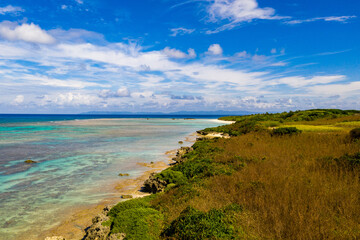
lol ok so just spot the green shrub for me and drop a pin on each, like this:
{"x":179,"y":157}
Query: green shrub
{"x":238,"y":128}
{"x":286,"y":131}
{"x":349,"y":162}
{"x":346,"y":162}
{"x":196,"y":167}
{"x":134,"y":203}
{"x":139,"y":223}
{"x":194,"y":224}
{"x":170,"y":186}
{"x":170,"y":176}
{"x":137,"y":219}
{"x":355,"y":134}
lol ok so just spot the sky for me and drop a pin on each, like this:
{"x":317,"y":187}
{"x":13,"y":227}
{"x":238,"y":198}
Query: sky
{"x":73,"y":56}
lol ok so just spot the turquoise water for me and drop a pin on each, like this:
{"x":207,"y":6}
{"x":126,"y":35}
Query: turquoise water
{"x":77,"y":162}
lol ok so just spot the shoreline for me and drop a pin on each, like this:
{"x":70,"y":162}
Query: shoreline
{"x":74,"y":224}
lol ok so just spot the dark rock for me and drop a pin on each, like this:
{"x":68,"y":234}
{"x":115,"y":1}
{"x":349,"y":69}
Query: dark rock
{"x":180,"y":154}
{"x":30,"y":161}
{"x":124,"y":174}
{"x":97,"y":231}
{"x":154,"y":184}
{"x":126,"y":196}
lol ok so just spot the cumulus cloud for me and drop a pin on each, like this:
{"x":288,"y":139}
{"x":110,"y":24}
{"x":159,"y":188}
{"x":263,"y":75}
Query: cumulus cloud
{"x":121,"y":92}
{"x":235,"y":12}
{"x":215,"y":49}
{"x":10,"y":9}
{"x":181,"y":31}
{"x":18,"y":100}
{"x":72,"y":99}
{"x":25,"y":32}
{"x":174,"y":53}
{"x":342,"y":19}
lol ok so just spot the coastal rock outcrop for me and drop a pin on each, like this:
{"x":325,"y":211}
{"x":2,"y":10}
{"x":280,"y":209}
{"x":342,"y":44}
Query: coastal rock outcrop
{"x":98,"y":231}
{"x":153,"y":184}
{"x":180,"y":154}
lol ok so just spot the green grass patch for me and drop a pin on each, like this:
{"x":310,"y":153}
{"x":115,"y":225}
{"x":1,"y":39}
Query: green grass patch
{"x":313,"y":128}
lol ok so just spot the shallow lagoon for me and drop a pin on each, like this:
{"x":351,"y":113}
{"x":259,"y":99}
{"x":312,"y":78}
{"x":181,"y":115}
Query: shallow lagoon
{"x":78,"y":160}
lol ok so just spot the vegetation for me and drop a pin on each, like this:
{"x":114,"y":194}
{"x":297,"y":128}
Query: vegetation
{"x":137,"y":219}
{"x":195,"y":224}
{"x":355,"y":134}
{"x":285,"y":131}
{"x":257,"y":186}
{"x":297,"y":116}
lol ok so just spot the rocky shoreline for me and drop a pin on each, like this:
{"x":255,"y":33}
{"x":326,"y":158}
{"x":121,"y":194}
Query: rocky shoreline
{"x":77,"y":226}
{"x":100,"y":231}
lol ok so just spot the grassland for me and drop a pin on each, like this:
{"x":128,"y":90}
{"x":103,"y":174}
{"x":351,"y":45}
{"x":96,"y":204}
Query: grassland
{"x":257,"y":185}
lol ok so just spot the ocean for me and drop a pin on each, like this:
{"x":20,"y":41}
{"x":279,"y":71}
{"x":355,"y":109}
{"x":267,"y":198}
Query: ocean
{"x":78,"y":160}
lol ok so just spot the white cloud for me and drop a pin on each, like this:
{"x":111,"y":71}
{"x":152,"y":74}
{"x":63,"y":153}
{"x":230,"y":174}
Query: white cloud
{"x":75,"y":35}
{"x":64,"y":7}
{"x":337,"y":89}
{"x":174,"y":53}
{"x":25,"y":32}
{"x":72,"y":99}
{"x":18,"y":100}
{"x":237,"y":11}
{"x":71,"y":75}
{"x":299,"y":81}
{"x":215,"y":49}
{"x":121,"y":92}
{"x":180,"y":31}
{"x":342,"y":19}
{"x":10,"y":9}
{"x":273,"y":51}
{"x":242,"y":54}
{"x":79,"y":1}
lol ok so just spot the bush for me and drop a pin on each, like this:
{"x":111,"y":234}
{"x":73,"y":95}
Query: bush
{"x":236,"y":129}
{"x":172,"y":177}
{"x":139,"y":223}
{"x":137,"y":219}
{"x":286,"y":131}
{"x":355,"y":134}
{"x":346,"y":162}
{"x":194,"y":224}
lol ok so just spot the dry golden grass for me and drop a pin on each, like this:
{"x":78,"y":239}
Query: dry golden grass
{"x":286,"y":192}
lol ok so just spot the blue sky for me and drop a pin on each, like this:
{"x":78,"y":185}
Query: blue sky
{"x":169,"y":55}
